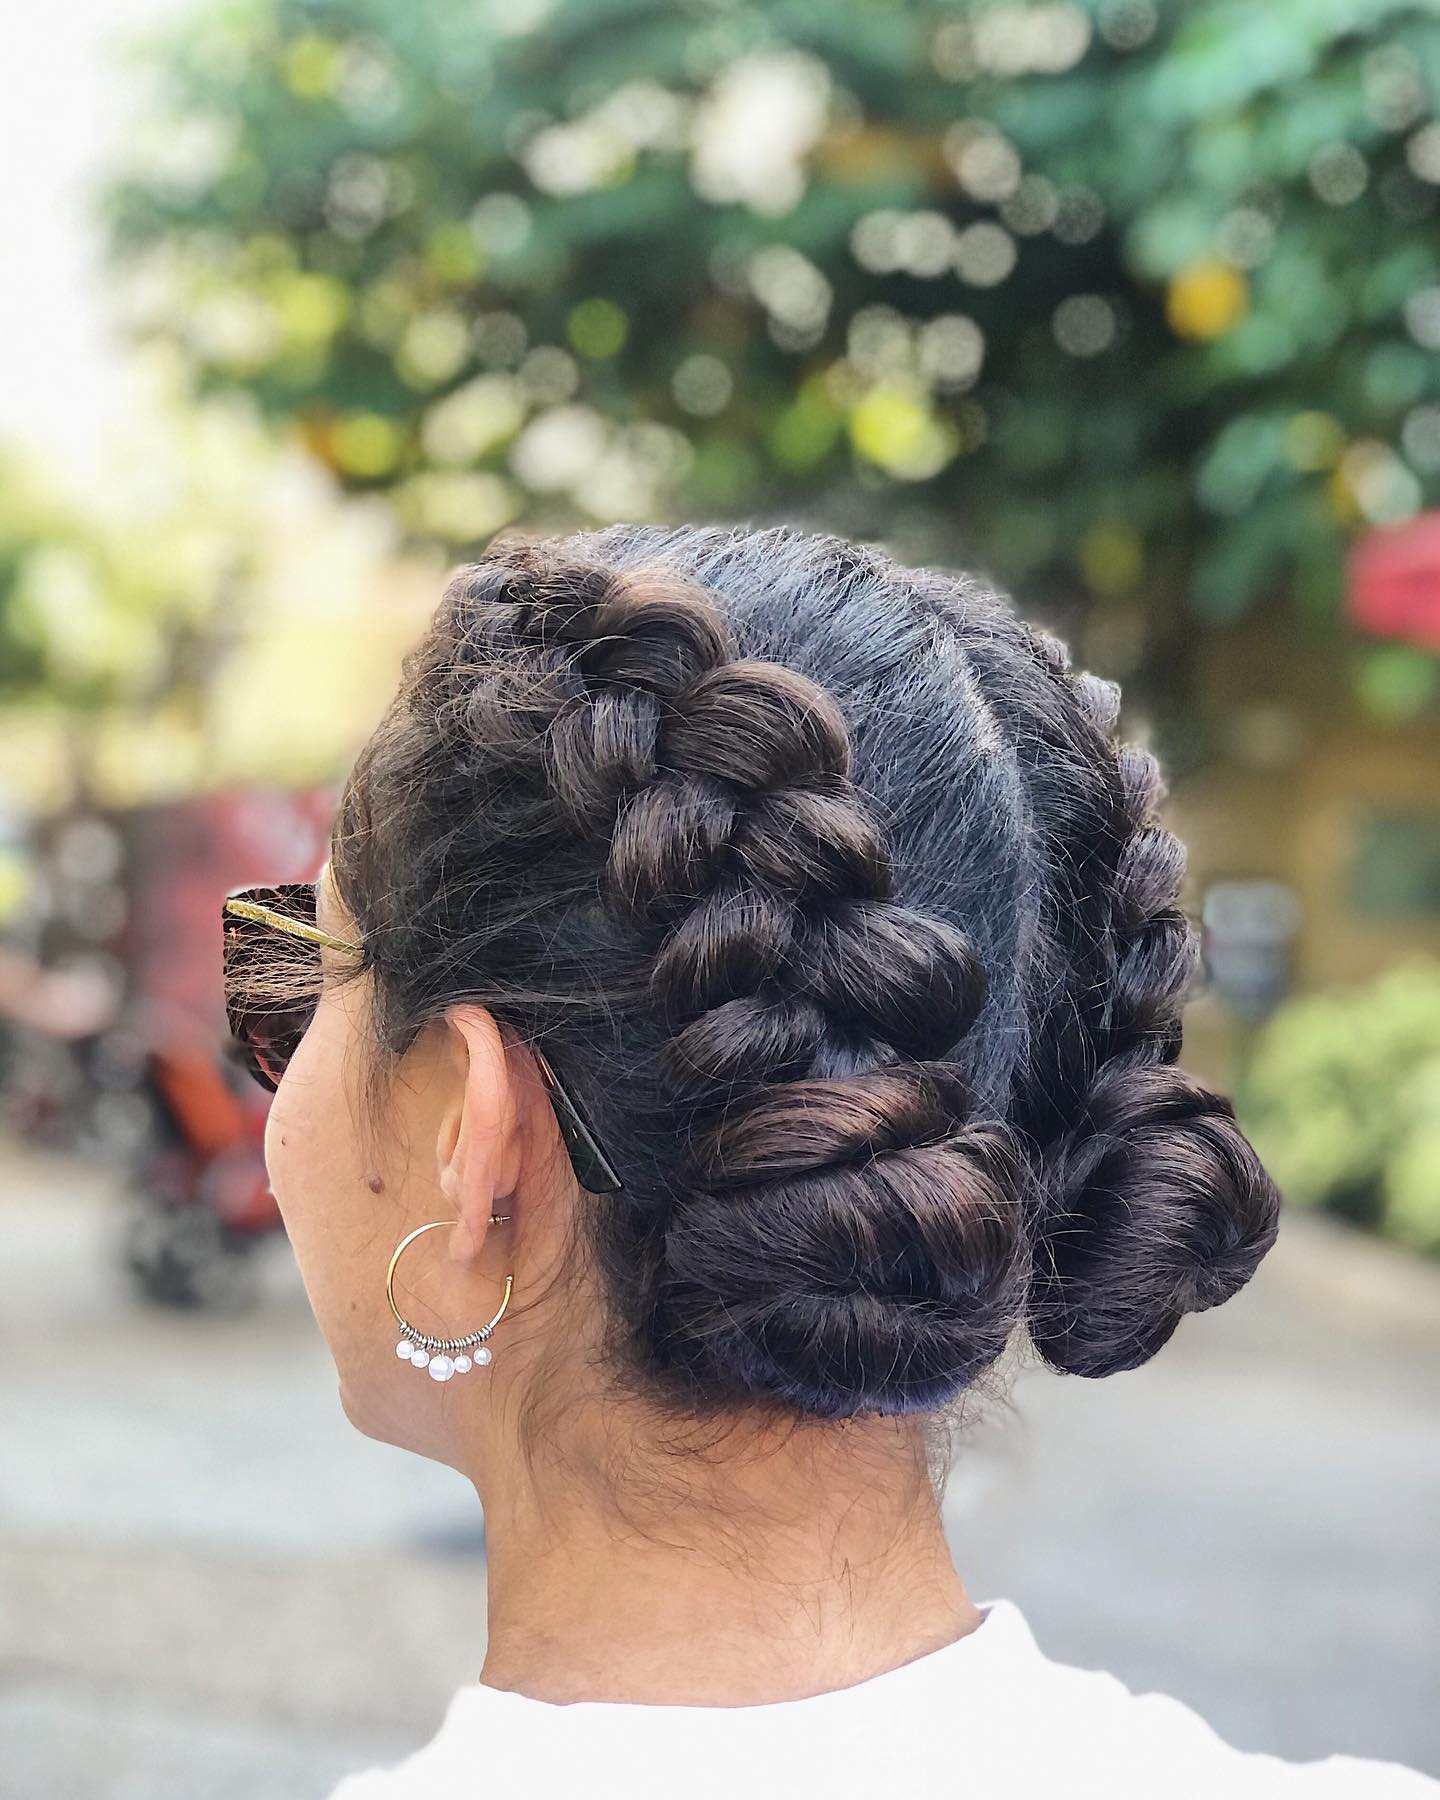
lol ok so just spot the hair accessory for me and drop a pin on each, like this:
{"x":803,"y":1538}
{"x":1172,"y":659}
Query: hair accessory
{"x":443,"y":1357}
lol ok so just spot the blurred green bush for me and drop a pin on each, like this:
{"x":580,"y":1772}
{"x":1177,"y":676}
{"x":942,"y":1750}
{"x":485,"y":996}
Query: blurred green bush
{"x":1342,"y":1098}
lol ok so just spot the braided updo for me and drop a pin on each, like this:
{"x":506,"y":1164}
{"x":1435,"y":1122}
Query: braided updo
{"x":831,"y":894}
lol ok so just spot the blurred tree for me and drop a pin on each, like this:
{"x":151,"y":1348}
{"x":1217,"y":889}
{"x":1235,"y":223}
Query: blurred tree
{"x":1135,"y":302}
{"x":204,"y":614}
{"x":95,"y":612}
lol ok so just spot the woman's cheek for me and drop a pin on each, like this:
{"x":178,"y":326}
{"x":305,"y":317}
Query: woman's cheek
{"x":306,"y":1140}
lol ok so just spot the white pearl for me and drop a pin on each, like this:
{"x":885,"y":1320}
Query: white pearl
{"x":405,"y":1348}
{"x":462,"y":1364}
{"x":482,"y":1356}
{"x":441,"y":1368}
{"x":420,"y":1358}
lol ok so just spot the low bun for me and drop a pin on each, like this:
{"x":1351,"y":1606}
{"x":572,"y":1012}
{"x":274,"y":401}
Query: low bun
{"x":1152,"y":1202}
{"x":845,"y":1247}
{"x":1159,"y":1207}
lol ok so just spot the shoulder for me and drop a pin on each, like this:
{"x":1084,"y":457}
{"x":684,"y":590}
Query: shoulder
{"x":1165,"y":1746}
{"x":1168,"y":1734}
{"x":450,"y":1763}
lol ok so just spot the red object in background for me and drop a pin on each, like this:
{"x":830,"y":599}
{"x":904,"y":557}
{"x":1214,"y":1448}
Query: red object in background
{"x":204,"y":1178}
{"x":182,"y":859}
{"x":1394,"y":582}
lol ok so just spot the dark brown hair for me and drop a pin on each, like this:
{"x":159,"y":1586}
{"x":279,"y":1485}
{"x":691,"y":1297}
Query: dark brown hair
{"x":827,"y":888}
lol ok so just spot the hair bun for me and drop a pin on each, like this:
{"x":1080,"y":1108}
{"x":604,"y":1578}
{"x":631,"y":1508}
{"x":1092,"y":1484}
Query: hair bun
{"x":1157,"y":1207}
{"x":846,"y":1247}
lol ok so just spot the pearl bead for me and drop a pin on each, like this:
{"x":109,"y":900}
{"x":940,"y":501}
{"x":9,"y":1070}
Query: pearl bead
{"x":482,"y":1356}
{"x":420,"y":1358}
{"x":462,"y":1364}
{"x":441,"y":1368}
{"x":405,"y":1348}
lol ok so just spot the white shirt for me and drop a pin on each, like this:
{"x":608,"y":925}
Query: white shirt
{"x":989,"y":1717}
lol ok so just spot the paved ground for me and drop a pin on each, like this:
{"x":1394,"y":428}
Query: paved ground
{"x":210,"y":1584}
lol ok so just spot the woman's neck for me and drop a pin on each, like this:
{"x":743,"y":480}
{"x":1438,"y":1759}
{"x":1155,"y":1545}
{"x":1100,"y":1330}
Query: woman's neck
{"x":791,"y":1567}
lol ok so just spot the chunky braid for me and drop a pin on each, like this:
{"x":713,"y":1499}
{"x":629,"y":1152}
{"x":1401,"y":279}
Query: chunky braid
{"x":835,"y":1234}
{"x":1155,"y":1204}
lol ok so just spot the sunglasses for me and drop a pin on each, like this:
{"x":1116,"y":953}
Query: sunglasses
{"x":271,"y":968}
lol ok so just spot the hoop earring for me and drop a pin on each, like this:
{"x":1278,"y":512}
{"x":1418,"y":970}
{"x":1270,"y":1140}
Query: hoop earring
{"x":443,"y":1357}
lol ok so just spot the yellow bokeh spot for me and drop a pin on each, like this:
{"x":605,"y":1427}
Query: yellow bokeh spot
{"x":1341,"y":499}
{"x":1111,"y":557}
{"x":453,"y":253}
{"x":434,"y":348}
{"x":462,"y":508}
{"x":804,"y":433}
{"x":896,"y":430}
{"x":311,"y":308}
{"x":14,"y":884}
{"x":365,"y":445}
{"x":1205,"y":299}
{"x":386,"y":306}
{"x":597,"y":328}
{"x":312,"y":64}
{"x":1314,"y":441}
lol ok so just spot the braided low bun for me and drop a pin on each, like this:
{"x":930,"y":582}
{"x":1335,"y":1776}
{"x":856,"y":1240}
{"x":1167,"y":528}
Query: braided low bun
{"x":1161,"y":1209}
{"x":845,"y":1247}
{"x":1154,"y":1203}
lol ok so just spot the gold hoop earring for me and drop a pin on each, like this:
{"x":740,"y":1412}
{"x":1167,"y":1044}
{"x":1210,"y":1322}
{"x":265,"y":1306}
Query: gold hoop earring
{"x":443,"y":1357}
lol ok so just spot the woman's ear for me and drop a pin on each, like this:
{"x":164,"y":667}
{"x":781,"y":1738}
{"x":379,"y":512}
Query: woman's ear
{"x":479,"y":1142}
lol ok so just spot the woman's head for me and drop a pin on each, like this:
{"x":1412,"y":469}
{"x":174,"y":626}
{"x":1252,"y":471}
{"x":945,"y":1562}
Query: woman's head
{"x":827,"y":889}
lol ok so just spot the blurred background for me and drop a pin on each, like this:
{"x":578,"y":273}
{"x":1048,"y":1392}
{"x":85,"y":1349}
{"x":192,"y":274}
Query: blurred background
{"x":1131,"y":305}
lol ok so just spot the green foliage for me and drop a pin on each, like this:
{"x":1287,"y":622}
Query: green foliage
{"x":29,"y":519}
{"x":101,"y":607}
{"x":1343,"y":1099}
{"x":1132,"y":299}
{"x":75,"y":622}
